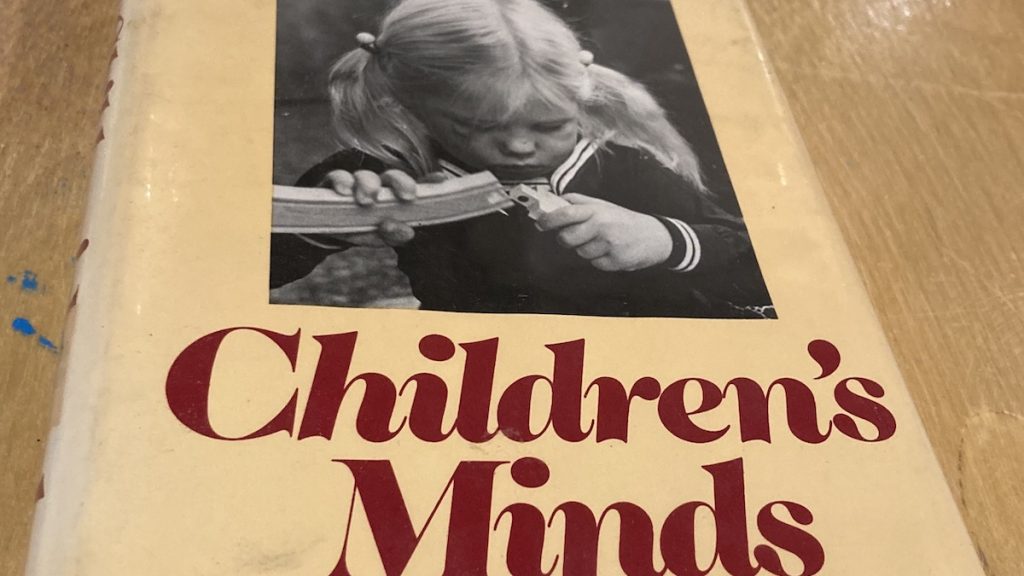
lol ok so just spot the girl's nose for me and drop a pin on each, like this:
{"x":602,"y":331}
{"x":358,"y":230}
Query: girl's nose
{"x":519,"y":146}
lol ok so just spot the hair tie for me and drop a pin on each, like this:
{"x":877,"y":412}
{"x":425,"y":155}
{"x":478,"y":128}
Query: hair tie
{"x":368,"y":42}
{"x":586,"y":57}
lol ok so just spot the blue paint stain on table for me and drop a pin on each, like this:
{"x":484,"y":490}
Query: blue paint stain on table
{"x":23,"y":326}
{"x":46,"y":343}
{"x":29,"y":281}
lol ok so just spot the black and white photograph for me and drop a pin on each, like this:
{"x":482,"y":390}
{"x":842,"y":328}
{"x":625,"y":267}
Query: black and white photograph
{"x":501,"y":156}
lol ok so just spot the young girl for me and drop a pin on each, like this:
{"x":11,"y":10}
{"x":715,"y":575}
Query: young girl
{"x":457,"y":86}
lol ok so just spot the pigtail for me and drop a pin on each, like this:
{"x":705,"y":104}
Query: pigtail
{"x":492,"y":57}
{"x":370,"y":119}
{"x":619,"y":109}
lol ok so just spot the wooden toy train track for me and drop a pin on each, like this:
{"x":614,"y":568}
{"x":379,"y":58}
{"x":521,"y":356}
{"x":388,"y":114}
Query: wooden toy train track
{"x":323,"y":211}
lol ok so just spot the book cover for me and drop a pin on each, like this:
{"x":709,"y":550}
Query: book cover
{"x":577,"y":307}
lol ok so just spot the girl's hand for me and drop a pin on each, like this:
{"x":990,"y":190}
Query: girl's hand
{"x":364,"y":188}
{"x":612,"y":238}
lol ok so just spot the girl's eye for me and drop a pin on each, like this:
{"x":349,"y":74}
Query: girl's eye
{"x":471,"y":126}
{"x":552,"y":126}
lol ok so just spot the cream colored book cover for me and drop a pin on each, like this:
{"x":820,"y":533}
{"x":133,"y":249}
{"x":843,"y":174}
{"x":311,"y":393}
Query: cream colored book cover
{"x":471,"y":287}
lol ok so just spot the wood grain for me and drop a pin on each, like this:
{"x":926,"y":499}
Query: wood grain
{"x":913,"y":113}
{"x":53,"y":63}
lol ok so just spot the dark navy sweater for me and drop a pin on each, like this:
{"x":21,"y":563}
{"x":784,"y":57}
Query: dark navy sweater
{"x":502,"y":263}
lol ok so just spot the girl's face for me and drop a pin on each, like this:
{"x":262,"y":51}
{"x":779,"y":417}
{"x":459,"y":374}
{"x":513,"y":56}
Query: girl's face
{"x":531,"y":143}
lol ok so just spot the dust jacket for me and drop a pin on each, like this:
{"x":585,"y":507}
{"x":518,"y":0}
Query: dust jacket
{"x":471,"y":287}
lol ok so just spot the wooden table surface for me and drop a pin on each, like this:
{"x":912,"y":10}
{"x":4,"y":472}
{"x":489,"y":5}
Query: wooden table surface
{"x":913,"y":114}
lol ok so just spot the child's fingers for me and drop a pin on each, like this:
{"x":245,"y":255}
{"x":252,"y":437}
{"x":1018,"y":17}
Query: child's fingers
{"x":576,"y":235}
{"x":596,"y":248}
{"x":563,"y":217}
{"x":607,"y":263}
{"x":368,"y":239}
{"x":435,"y":178}
{"x":367,"y":186}
{"x":403,"y":185}
{"x":395,"y":233}
{"x":341,"y":181}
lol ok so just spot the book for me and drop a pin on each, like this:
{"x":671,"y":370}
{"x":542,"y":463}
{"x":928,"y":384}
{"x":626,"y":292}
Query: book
{"x":505,"y":407}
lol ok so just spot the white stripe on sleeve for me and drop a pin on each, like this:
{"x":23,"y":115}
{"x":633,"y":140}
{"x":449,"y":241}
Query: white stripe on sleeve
{"x":692,"y":257}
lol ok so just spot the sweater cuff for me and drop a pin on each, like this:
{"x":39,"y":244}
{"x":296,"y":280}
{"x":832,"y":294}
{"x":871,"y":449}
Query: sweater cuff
{"x":685,"y":254}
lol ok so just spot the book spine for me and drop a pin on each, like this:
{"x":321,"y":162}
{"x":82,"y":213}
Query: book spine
{"x":66,"y":468}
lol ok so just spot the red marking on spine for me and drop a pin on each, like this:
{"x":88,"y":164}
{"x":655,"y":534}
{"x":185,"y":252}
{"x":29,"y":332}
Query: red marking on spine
{"x":82,"y":247}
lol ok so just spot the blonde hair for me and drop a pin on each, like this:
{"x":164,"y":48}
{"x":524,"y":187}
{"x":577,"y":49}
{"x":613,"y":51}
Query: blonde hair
{"x":494,"y":56}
